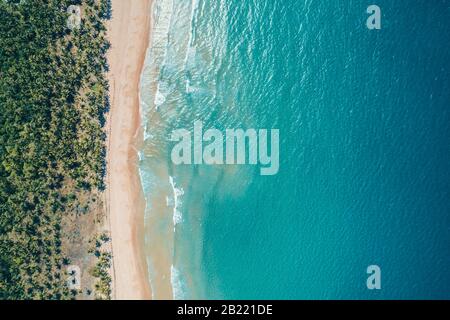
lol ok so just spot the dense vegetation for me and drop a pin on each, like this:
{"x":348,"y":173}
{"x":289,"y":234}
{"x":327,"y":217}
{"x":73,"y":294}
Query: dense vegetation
{"x":53,"y":100}
{"x":101,"y":269}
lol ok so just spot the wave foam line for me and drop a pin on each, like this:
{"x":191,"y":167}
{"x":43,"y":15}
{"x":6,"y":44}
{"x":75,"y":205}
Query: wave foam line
{"x":177,"y":193}
{"x":178,"y":287}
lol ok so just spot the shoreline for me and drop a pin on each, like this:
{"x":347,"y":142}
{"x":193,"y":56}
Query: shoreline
{"x":128,"y":32}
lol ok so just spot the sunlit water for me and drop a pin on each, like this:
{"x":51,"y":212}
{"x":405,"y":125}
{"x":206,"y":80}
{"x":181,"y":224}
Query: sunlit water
{"x":364,"y":152}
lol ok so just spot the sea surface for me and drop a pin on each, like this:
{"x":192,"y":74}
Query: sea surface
{"x":364,"y":120}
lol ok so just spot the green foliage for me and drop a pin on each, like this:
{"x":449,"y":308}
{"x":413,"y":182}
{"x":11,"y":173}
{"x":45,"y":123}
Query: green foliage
{"x":101,"y":272}
{"x":102,"y":268}
{"x":53,"y":99}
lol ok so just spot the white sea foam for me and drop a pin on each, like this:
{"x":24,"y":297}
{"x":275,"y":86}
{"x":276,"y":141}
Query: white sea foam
{"x":177,"y":193}
{"x":156,"y":90}
{"x":191,"y":50}
{"x":178,"y":287}
{"x":151,"y":94}
{"x":159,"y":98}
{"x":189,"y":88}
{"x":147,"y":134}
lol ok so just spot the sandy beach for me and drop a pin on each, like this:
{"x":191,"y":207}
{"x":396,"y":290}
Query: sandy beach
{"x":128,"y":33}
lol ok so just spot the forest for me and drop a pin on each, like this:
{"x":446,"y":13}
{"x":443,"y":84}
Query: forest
{"x":53,"y":106}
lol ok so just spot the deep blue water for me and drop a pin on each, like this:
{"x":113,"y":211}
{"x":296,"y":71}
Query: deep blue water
{"x":364,"y":120}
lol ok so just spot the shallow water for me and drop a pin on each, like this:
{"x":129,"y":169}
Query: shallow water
{"x":364,"y":152}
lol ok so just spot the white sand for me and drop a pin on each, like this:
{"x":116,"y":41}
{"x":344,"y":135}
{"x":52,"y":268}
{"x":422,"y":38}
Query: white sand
{"x":128,"y":32}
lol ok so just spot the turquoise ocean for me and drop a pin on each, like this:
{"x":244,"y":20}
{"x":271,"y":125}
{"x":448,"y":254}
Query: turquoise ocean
{"x":364,"y":120}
